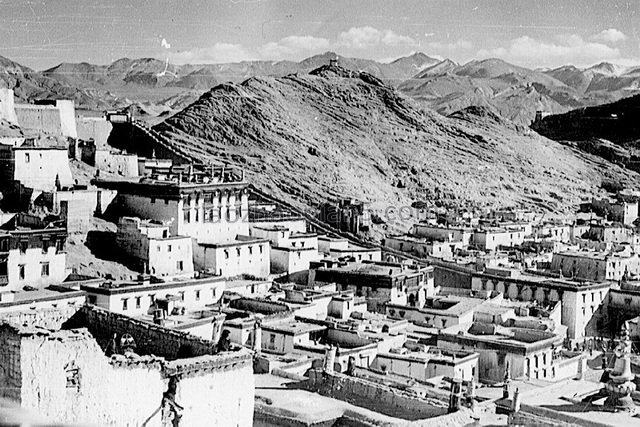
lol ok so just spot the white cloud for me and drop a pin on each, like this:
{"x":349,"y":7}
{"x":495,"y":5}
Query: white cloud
{"x":610,"y":35}
{"x":568,"y":49}
{"x":363,"y":37}
{"x":292,"y":46}
{"x":393,"y":39}
{"x":448,"y":47}
{"x":218,"y":53}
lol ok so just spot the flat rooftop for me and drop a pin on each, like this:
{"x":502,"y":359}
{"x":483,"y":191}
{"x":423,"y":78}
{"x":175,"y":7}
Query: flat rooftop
{"x":446,"y":305}
{"x":43,"y":294}
{"x":565,"y":397}
{"x":368,"y":269}
{"x":293,"y":327}
{"x":111,"y":288}
{"x":415,"y":239}
{"x":500,"y":336}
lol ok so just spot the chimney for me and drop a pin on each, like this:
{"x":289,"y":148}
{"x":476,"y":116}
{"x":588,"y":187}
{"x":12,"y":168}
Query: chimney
{"x":515,"y":403}
{"x":144,"y":279}
{"x":257,"y":336}
{"x":329,"y":359}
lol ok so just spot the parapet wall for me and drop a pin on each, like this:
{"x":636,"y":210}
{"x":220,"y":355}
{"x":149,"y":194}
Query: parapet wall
{"x":149,"y":338}
{"x":48,"y":318}
{"x":543,"y":417}
{"x":376,"y":397}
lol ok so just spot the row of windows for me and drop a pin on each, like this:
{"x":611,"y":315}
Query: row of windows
{"x":23,"y":245}
{"x":152,"y":298}
{"x":239,"y":251}
{"x":593,"y":297}
{"x":44,"y":270}
{"x":208,"y":198}
{"x":211,"y":215}
{"x":169,"y":248}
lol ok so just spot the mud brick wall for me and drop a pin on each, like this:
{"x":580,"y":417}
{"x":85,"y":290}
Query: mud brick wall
{"x":149,"y":338}
{"x":376,"y":397}
{"x":48,"y":318}
{"x":10,"y":367}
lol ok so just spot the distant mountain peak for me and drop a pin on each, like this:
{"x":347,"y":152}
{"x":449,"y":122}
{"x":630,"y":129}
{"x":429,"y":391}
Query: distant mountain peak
{"x":606,"y":68}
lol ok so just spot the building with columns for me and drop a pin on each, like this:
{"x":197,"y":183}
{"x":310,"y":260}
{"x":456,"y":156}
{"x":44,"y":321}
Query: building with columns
{"x":210,"y":207}
{"x":583,"y":304}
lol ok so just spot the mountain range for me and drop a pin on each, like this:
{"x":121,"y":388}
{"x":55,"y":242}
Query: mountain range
{"x":513,"y":92}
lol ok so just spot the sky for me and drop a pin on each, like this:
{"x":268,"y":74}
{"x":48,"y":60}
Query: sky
{"x":540,"y":33}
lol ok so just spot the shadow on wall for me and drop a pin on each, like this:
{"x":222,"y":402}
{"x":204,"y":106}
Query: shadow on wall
{"x":102,"y":244}
{"x":15,"y":197}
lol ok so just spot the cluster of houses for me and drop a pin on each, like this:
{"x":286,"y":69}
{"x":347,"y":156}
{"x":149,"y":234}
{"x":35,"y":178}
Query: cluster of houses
{"x":221,"y":271}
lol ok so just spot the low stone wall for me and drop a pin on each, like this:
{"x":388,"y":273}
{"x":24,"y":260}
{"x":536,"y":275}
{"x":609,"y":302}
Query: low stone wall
{"x":535,"y":415}
{"x":149,"y":338}
{"x":376,"y":397}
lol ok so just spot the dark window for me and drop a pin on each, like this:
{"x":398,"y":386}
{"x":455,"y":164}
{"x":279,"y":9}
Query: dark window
{"x":44,"y":269}
{"x":21,"y":271}
{"x":197,"y":295}
{"x":24,"y":244}
{"x":182,"y":296}
{"x":124,"y":304}
{"x":137,"y":302}
{"x":180,"y":266}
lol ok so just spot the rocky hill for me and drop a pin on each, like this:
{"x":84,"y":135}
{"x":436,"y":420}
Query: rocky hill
{"x":336,"y":133}
{"x":616,"y":122}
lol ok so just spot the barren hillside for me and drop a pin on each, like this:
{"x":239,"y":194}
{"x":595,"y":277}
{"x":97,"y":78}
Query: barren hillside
{"x":335,"y":133}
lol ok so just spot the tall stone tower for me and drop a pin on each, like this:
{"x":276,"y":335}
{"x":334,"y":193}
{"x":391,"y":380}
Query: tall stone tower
{"x":7,"y":107}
